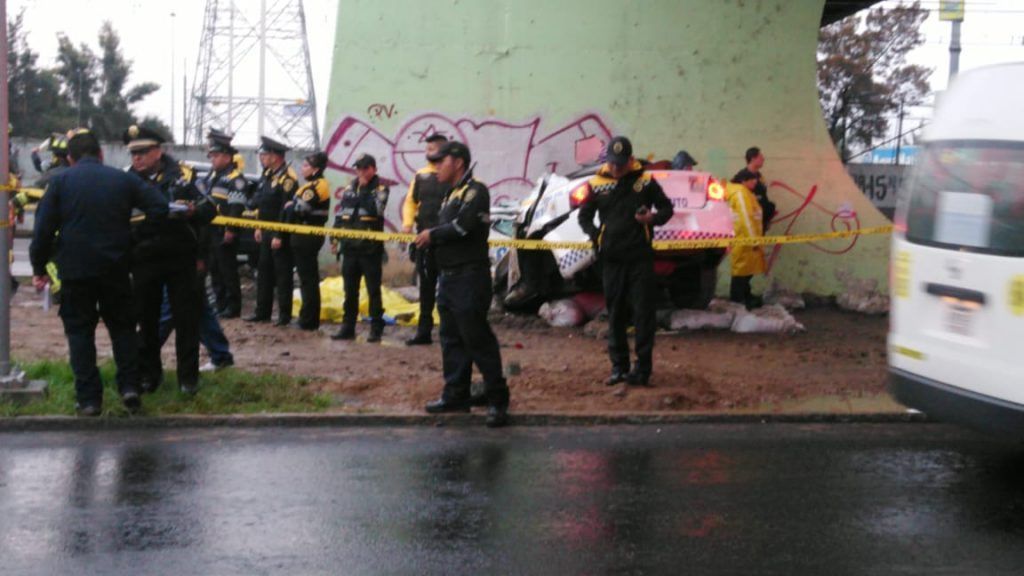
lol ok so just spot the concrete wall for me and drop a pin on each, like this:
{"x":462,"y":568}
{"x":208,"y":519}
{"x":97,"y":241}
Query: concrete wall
{"x":524,"y":81}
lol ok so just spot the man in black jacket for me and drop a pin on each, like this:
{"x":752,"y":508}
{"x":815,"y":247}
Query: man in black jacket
{"x":362,"y":207}
{"x":85,"y":220}
{"x":168,"y":261}
{"x":459,"y":244}
{"x":276,"y":267}
{"x":622,"y":195}
{"x":229,"y":192}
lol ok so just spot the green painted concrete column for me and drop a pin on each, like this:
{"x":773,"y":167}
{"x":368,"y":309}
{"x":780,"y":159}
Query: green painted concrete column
{"x":523,"y":81}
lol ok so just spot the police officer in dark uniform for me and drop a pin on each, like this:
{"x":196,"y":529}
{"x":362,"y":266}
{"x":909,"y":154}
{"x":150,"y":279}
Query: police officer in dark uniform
{"x":85,"y":219}
{"x":622,"y":195}
{"x":226,"y":186}
{"x":310,"y":207}
{"x":459,"y":244}
{"x":167,"y":261}
{"x":277,"y":185}
{"x":421,"y":207}
{"x":362,"y":208}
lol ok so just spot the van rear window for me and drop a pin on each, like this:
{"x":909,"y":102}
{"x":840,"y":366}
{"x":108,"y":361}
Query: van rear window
{"x":968,"y":196}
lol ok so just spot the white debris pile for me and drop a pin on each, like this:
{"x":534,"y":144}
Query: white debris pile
{"x":772,"y":319}
{"x":788,"y":299}
{"x":861,"y":295}
{"x":563,"y":313}
{"x":701,"y":319}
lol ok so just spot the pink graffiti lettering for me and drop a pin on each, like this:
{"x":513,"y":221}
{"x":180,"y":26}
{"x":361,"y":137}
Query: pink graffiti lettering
{"x":509,"y":157}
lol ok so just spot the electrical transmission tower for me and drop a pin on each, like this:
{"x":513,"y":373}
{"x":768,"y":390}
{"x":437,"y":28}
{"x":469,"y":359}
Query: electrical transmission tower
{"x":233,"y":73}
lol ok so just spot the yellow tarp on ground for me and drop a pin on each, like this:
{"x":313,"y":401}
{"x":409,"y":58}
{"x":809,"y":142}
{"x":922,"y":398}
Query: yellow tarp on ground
{"x":332,"y":296}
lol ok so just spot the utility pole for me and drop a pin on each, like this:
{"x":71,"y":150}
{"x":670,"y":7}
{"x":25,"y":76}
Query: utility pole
{"x":899,"y":135}
{"x":953,"y":11}
{"x":263,"y":68}
{"x":172,"y":77}
{"x":5,"y":201}
{"x":13,"y":385}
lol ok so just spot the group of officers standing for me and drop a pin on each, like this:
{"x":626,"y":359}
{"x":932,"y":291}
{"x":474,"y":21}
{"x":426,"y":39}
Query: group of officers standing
{"x":120,"y":271}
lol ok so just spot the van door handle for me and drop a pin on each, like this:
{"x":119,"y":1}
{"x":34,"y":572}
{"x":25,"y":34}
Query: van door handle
{"x":964,"y":294}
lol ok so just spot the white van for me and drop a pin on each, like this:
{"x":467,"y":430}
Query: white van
{"x":956,"y":336}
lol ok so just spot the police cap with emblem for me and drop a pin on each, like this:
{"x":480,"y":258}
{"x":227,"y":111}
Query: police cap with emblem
{"x":620,"y":150}
{"x":219,"y":141}
{"x":365,"y":161}
{"x":453,"y":149}
{"x":140,"y":138}
{"x":271,"y":146}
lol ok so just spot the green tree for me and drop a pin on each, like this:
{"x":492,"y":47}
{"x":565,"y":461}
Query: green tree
{"x":76,"y":67}
{"x":35,"y":104}
{"x":863,"y":74}
{"x":115,"y":99}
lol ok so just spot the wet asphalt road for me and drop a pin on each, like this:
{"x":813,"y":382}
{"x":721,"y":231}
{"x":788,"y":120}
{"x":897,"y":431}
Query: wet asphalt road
{"x":691,"y":499}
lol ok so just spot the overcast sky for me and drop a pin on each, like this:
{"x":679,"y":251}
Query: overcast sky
{"x":993,"y":31}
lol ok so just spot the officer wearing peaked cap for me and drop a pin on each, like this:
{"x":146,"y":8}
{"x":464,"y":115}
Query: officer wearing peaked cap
{"x":459,"y":241}
{"x":168,"y":261}
{"x":276,"y":268}
{"x":362,"y":208}
{"x":629,"y":203}
{"x":229,"y":191}
{"x":84,"y":219}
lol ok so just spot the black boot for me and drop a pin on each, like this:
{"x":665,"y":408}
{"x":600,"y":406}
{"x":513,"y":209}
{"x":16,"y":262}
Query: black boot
{"x":376,"y":332}
{"x":346,"y":332}
{"x":443,"y":406}
{"x":419,"y":340}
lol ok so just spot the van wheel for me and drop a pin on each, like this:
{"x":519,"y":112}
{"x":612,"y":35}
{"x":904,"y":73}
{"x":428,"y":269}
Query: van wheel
{"x":693,"y":286}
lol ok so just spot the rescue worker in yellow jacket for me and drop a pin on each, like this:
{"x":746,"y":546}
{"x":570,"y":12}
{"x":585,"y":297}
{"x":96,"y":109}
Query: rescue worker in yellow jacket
{"x":747,"y":223}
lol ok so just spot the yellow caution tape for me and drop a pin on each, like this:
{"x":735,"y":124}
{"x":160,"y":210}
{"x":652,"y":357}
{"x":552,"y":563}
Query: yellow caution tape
{"x":545,"y":244}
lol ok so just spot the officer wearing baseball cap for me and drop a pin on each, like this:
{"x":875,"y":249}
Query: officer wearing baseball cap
{"x":229,"y":191}
{"x":622,"y":195}
{"x":459,"y":243}
{"x":168,"y":261}
{"x":276,"y":268}
{"x":362,"y":207}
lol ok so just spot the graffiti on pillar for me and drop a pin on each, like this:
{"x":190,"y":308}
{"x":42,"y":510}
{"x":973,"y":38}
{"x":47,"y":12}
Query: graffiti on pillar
{"x":843,"y":219}
{"x":509,"y":156}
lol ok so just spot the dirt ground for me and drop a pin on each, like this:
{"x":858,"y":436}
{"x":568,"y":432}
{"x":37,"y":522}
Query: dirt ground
{"x":837,"y":365}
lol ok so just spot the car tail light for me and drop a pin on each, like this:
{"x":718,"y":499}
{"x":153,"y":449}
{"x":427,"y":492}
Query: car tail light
{"x":580,"y":195}
{"x":715,"y":190}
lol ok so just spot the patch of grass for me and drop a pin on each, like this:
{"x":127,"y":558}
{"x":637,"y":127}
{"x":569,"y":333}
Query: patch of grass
{"x":229,"y":391}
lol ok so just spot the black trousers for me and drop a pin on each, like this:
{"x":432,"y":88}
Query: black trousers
{"x":227,"y":286}
{"x":426,"y":270}
{"x":275,"y":272}
{"x":629,"y":290}
{"x":83,"y":303}
{"x":739,"y":289}
{"x":178,"y":276}
{"x":356,"y":266}
{"x":306,"y":254}
{"x":463,"y":299}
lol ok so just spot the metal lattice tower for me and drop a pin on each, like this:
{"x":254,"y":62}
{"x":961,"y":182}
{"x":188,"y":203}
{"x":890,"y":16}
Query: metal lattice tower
{"x":236,"y":72}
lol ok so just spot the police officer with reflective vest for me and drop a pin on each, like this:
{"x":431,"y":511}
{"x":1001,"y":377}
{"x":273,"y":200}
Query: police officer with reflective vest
{"x":459,"y":243}
{"x":168,"y":261}
{"x":362,"y":208}
{"x":84,"y":219}
{"x":622,"y":195}
{"x":310,"y":206}
{"x":228,"y":189}
{"x":421,"y":207}
{"x":57,"y":144}
{"x":276,"y":188}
